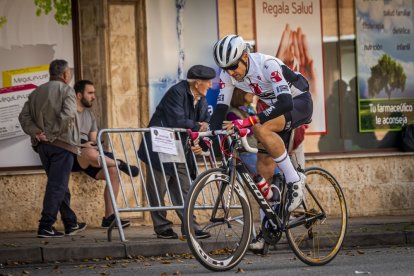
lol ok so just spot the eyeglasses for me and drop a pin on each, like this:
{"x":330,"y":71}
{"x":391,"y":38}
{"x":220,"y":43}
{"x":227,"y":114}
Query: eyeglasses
{"x":232,"y":67}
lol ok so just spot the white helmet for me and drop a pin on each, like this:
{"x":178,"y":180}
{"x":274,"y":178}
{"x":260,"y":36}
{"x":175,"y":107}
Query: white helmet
{"x":228,"y":50}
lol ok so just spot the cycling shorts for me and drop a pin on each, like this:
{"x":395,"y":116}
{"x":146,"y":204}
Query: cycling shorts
{"x":300,"y":114}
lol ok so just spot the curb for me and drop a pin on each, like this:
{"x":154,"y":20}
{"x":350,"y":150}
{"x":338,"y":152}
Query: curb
{"x":79,"y":251}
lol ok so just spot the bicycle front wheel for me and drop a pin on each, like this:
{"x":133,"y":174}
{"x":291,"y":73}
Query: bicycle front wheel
{"x":212,"y":206}
{"x":317,"y":227}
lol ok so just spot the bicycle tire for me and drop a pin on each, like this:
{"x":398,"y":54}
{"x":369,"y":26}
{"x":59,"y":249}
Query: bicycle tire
{"x":319,"y":241}
{"x":229,"y":239}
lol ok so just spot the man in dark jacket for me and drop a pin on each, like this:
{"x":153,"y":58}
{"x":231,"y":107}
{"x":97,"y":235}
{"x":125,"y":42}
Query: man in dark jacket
{"x":183,"y":106}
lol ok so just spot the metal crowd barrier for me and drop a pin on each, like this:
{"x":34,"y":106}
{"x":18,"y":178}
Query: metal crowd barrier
{"x":133,"y":194}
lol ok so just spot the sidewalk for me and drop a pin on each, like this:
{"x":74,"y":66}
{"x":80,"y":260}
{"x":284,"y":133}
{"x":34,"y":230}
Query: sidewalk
{"x":93,"y":244}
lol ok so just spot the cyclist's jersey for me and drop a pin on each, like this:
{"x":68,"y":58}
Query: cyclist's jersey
{"x":267,"y":77}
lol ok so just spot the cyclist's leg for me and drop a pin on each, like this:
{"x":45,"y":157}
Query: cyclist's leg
{"x":265,"y":165}
{"x":268,"y":136}
{"x":275,"y":146}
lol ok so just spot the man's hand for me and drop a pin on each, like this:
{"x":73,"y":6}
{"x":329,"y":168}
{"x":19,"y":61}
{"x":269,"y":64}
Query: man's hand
{"x":197,"y":150}
{"x":41,"y":136}
{"x":294,"y":52}
{"x":90,"y":144}
{"x":203,"y":126}
{"x":195,"y":147}
{"x":286,"y":50}
{"x":227,"y":125}
{"x":241,"y":123}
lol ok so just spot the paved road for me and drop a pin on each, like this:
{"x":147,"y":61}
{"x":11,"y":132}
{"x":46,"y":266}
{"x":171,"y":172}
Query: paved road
{"x":373,"y":261}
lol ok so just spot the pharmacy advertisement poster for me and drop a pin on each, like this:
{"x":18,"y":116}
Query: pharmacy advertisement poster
{"x":384,"y":36}
{"x":32,"y":75}
{"x":12,"y":100}
{"x":28,"y":43}
{"x":292,"y":31}
{"x":14,"y":143}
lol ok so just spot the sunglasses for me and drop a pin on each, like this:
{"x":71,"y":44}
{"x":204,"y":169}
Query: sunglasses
{"x":232,"y":67}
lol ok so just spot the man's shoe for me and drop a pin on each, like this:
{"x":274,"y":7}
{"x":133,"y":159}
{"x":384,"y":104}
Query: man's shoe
{"x":167,"y":234}
{"x":124,"y":168}
{"x":258,"y":244}
{"x":106,"y":222}
{"x":49,"y":232}
{"x":295,"y":193}
{"x":200,"y":234}
{"x":75,"y":229}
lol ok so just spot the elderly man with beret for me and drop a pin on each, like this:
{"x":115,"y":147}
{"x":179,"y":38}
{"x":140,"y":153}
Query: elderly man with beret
{"x":183,"y":106}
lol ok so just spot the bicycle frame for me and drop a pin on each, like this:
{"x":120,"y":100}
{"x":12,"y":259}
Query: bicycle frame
{"x":278,"y":221}
{"x":243,"y":172}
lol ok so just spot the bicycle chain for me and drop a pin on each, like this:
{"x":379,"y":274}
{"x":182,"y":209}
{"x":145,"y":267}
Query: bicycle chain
{"x":270,"y":235}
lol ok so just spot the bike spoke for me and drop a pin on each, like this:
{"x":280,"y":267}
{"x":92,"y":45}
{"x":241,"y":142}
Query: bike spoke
{"x":318,"y":231}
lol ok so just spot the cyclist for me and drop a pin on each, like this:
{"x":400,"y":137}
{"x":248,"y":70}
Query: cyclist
{"x":288,"y":105}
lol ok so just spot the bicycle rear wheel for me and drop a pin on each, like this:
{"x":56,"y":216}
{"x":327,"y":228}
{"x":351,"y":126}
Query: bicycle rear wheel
{"x":317,"y":228}
{"x":230,"y":229}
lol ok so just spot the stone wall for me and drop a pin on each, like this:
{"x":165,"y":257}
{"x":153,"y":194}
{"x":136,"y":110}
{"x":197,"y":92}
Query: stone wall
{"x":373,"y":186}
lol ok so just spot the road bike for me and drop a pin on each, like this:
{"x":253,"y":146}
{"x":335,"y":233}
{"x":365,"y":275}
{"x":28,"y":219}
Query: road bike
{"x":218,"y":200}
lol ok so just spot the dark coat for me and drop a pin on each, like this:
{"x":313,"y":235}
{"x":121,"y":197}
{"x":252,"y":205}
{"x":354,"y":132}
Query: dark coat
{"x":176,"y":110}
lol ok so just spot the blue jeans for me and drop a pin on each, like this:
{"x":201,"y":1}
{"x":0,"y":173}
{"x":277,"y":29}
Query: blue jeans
{"x":250,"y":159}
{"x":57,"y":163}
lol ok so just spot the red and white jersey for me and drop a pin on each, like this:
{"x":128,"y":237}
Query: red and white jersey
{"x":267,"y":77}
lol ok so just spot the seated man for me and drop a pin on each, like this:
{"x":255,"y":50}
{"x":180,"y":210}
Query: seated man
{"x":89,"y":161}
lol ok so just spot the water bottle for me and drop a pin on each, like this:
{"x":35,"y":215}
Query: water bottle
{"x":264,"y":187}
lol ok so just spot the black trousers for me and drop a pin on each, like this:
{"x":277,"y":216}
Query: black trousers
{"x":159,"y":218}
{"x":57,"y":163}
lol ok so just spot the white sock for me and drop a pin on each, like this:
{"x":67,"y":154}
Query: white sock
{"x":285,"y":165}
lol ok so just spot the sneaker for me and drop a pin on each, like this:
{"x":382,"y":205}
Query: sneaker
{"x":124,"y":167}
{"x":106,"y":222}
{"x":295,"y":193}
{"x":200,"y":234}
{"x":167,"y":234}
{"x":49,"y":232}
{"x":257,"y":245}
{"x":75,"y":229}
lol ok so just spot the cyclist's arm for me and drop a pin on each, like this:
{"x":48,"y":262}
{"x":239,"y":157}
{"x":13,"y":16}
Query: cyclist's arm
{"x":272,"y":71}
{"x":223,"y":101}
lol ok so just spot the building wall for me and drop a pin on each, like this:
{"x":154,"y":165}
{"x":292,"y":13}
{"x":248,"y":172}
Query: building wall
{"x":373,"y":186}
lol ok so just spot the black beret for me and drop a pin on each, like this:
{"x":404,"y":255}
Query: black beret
{"x":201,"y":72}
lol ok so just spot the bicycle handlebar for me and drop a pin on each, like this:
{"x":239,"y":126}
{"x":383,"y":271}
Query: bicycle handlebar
{"x":240,"y":134}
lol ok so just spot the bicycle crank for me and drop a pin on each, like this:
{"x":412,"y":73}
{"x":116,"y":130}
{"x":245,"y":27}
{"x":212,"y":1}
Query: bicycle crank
{"x":270,"y":235}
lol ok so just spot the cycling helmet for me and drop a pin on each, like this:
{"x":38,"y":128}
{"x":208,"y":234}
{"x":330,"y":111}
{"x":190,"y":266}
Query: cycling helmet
{"x":228,"y":50}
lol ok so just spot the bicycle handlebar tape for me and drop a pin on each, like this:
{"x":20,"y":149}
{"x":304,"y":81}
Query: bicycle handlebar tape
{"x":193,"y":134}
{"x":243,"y":132}
{"x":208,"y":142}
{"x":245,"y":122}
